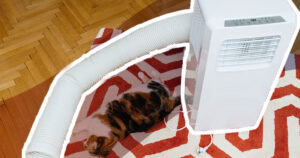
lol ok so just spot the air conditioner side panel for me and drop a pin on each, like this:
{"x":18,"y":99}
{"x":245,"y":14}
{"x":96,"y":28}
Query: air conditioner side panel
{"x":233,"y":100}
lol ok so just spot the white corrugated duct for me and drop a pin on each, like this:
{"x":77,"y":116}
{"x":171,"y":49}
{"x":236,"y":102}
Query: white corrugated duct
{"x":50,"y":133}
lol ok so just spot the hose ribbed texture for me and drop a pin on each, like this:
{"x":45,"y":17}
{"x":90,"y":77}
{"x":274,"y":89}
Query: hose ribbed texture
{"x":51,"y":130}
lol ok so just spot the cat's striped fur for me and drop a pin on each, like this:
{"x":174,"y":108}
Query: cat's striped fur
{"x":134,"y":112}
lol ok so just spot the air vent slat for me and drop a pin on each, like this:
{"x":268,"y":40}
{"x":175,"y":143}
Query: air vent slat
{"x":250,"y":45}
{"x":229,"y":53}
{"x":245,"y":57}
{"x":247,"y":52}
{"x":267,"y":39}
{"x":243,"y":62}
{"x":262,"y":48}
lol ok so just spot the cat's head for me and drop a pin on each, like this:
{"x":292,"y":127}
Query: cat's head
{"x":99,"y":146}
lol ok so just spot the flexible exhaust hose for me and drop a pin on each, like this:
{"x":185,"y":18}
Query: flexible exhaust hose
{"x":51,"y":130}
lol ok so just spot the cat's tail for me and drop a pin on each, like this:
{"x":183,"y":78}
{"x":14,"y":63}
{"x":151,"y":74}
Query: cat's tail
{"x":159,"y":88}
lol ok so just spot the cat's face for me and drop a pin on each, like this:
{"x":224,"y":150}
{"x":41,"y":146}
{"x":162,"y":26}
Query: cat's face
{"x":97,"y":145}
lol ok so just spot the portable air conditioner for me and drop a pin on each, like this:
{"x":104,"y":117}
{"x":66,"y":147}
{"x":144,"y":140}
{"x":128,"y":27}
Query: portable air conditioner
{"x":238,"y":48}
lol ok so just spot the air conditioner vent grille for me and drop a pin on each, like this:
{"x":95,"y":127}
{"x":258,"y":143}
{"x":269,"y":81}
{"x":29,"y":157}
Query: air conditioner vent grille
{"x":237,"y":53}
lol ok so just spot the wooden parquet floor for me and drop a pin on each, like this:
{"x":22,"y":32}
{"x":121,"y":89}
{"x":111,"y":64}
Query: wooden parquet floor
{"x":40,"y":37}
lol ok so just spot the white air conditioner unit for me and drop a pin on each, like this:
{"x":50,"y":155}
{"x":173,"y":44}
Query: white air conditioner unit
{"x":238,"y":48}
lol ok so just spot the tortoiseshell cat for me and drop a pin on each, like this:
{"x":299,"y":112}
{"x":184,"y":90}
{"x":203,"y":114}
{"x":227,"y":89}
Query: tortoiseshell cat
{"x":134,"y":112}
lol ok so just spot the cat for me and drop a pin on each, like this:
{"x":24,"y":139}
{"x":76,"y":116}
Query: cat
{"x":133,"y":112}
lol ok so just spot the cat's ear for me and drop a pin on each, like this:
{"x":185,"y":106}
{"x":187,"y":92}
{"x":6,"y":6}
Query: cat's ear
{"x":105,"y":145}
{"x":91,"y":144}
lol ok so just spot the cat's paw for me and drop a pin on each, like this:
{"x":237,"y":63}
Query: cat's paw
{"x":159,"y":88}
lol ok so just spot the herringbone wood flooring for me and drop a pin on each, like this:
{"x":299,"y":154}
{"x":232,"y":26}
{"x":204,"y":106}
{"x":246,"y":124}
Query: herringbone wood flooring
{"x":39,"y":37}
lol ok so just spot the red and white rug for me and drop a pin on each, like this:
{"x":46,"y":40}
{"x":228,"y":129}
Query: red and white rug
{"x":277,"y":136}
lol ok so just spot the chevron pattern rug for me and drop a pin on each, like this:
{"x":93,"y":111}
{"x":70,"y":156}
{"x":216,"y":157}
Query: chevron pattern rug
{"x":277,"y":136}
